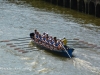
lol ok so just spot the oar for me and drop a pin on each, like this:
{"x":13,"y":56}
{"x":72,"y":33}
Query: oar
{"x":13,"y":40}
{"x":82,"y":44}
{"x":24,"y":51}
{"x":78,"y":41}
{"x":88,"y":47}
{"x":94,"y":46}
{"x":22,"y":42}
{"x":73,"y":39}
{"x":66,"y":50}
{"x":21,"y":38}
{"x":11,"y":45}
{"x":18,"y":39}
{"x":29,"y":51}
{"x":91,"y":46}
{"x":17,"y":48}
{"x":4,"y":41}
{"x":22,"y":47}
{"x":17,"y":45}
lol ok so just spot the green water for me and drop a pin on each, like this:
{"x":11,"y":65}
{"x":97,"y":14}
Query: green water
{"x":78,"y":16}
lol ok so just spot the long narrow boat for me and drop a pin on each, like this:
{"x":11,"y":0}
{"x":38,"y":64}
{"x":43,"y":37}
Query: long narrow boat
{"x":63,"y":52}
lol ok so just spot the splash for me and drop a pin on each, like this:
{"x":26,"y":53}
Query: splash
{"x":25,"y":58}
{"x":82,"y":64}
{"x":44,"y":70}
{"x":31,"y":44}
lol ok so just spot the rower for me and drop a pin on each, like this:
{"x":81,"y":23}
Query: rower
{"x":32,"y":35}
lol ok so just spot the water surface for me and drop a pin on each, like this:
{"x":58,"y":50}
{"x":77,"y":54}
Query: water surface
{"x":18,"y":19}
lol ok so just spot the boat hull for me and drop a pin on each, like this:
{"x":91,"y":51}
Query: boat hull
{"x":67,"y":53}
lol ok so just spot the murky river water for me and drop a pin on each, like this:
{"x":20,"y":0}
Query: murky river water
{"x":17,"y":20}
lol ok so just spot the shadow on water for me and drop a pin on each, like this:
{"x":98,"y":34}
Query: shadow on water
{"x":78,"y":17}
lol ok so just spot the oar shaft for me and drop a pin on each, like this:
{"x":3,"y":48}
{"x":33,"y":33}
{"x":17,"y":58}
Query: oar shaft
{"x":22,"y":42}
{"x":87,"y":47}
{"x":18,"y":39}
{"x":18,"y":44}
{"x":66,"y":51}
{"x":21,"y":38}
{"x":73,"y":39}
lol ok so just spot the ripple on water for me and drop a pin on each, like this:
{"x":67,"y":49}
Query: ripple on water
{"x":19,"y":20}
{"x":82,"y":64}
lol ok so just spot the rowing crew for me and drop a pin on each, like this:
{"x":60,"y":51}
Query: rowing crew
{"x":48,"y":41}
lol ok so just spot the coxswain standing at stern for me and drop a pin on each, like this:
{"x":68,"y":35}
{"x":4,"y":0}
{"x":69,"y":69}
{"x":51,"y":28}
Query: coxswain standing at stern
{"x":64,"y":40}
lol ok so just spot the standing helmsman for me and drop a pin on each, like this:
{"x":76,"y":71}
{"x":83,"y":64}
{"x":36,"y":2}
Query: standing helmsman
{"x":64,"y":40}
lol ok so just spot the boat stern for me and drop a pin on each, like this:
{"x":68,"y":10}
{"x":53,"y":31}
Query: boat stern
{"x":68,"y":52}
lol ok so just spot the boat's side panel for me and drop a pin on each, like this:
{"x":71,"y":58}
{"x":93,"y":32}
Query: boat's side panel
{"x":60,"y":52}
{"x":68,"y":53}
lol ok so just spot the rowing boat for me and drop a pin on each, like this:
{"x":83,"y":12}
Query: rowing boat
{"x":67,"y":52}
{"x":45,"y":42}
